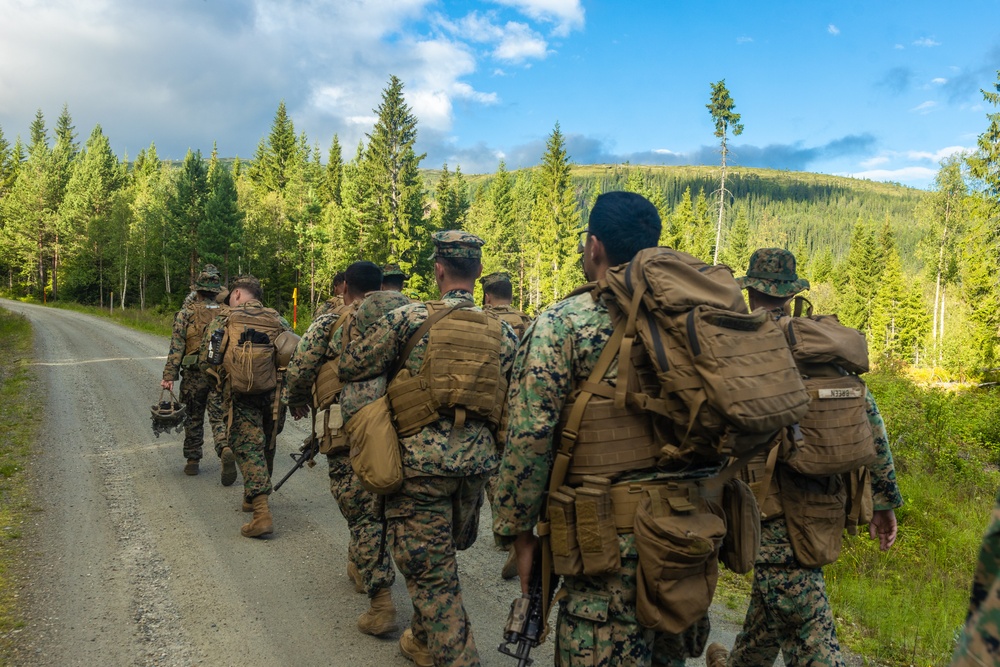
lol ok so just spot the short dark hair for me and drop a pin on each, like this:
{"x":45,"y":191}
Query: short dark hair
{"x":339,"y":278}
{"x":394,"y":282}
{"x":625,"y":222}
{"x":363,"y":277}
{"x":500,"y":289}
{"x":462,"y":268}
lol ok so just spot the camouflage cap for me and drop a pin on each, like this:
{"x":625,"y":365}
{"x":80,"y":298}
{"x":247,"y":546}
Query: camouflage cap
{"x":208,"y":280}
{"x":375,"y":306}
{"x":772,"y":272}
{"x":497,"y":278}
{"x":393,"y":269}
{"x":456,"y":243}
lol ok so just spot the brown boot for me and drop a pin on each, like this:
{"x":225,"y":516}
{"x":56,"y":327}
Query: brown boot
{"x":414,"y":650}
{"x":261,"y":523}
{"x":191,"y":467}
{"x":355,"y":576}
{"x":509,"y":570}
{"x":228,"y":460}
{"x":381,"y":617}
{"x":716,"y":655}
{"x":247,"y":507}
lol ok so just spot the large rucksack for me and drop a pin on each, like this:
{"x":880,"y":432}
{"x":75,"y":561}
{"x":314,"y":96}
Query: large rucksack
{"x":834,"y":436}
{"x":726,"y":379}
{"x":202,"y":313}
{"x":249,"y":358}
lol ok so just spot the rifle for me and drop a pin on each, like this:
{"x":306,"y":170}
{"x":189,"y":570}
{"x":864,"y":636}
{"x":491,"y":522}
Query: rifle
{"x":307,"y":452}
{"x":526,"y":628}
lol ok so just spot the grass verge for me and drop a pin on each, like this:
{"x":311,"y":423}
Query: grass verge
{"x":20,"y":420}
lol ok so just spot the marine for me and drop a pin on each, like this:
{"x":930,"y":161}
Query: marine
{"x":198,"y":389}
{"x":789,"y":610}
{"x":497,"y":297}
{"x":335,"y":301}
{"x":447,"y":461}
{"x":371,"y":571}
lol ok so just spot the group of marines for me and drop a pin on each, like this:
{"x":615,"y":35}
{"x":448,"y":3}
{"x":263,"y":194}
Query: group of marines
{"x":369,"y":340}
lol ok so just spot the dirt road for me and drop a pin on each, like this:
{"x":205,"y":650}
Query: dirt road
{"x":134,"y":563}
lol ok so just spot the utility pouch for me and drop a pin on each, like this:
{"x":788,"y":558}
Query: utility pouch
{"x":566,"y":559}
{"x":595,"y":527}
{"x":678,"y":540}
{"x":375,"y":453}
{"x":189,"y":360}
{"x":412,"y":403}
{"x":742,"y":542}
{"x":860,"y":505}
{"x":815,"y":511}
{"x":331,"y":433}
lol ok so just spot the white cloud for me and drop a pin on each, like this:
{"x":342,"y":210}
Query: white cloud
{"x":665,"y":151}
{"x":568,"y":15}
{"x":833,"y":30}
{"x":899,"y":47}
{"x":875,"y":161}
{"x":911,"y":175}
{"x":519,"y":43}
{"x":924,"y":107}
{"x":938,"y":155}
{"x":939,"y":81}
{"x":926,"y":41}
{"x":744,"y":40}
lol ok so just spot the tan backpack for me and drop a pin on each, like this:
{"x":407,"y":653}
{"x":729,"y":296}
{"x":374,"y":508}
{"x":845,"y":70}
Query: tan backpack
{"x":251,"y":366}
{"x":727,"y":381}
{"x":834,"y":436}
{"x":202,"y":313}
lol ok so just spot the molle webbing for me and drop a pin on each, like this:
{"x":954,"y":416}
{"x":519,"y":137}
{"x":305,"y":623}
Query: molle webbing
{"x":328,"y":384}
{"x":610,"y":440}
{"x":682,"y":495}
{"x":201,"y":316}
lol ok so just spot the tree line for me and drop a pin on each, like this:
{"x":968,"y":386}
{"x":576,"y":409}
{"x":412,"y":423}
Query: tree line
{"x":915,"y":270}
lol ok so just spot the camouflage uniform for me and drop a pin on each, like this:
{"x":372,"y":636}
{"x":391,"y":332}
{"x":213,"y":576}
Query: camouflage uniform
{"x":331,"y":305}
{"x":252,"y":421}
{"x":444,"y":475}
{"x":597,"y":622}
{"x":789,"y":610}
{"x":198,"y":391}
{"x":979,"y":644}
{"x":358,"y":506}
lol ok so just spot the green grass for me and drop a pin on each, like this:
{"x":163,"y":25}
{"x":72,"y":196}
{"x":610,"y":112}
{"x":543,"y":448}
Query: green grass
{"x":150,"y":320}
{"x":20,"y":420}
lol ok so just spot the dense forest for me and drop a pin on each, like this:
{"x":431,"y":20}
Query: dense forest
{"x":915,"y":270}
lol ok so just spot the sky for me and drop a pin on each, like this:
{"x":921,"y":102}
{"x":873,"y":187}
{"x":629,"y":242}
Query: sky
{"x":881,"y":90}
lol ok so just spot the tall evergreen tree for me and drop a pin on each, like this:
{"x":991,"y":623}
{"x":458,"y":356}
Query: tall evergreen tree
{"x":334,"y":177}
{"x":725,"y":118}
{"x":277,"y":157}
{"x":187,"y":212}
{"x":984,"y":164}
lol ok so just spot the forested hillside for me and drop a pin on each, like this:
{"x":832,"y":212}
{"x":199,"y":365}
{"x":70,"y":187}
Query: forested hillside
{"x":914,"y":269}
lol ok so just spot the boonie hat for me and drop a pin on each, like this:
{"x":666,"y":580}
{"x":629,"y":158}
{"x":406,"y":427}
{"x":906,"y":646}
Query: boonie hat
{"x":772,"y":271}
{"x":393,"y":269}
{"x":456,"y":243}
{"x":208,"y":280}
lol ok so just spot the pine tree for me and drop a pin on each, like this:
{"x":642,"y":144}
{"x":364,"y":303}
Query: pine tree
{"x":187,"y":211}
{"x":984,"y":164}
{"x":725,"y":119}
{"x":334,"y":176}
{"x":276,"y":157}
{"x":737,"y":252}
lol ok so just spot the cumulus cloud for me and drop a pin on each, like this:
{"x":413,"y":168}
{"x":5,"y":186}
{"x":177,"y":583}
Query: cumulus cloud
{"x":567,"y":15}
{"x":926,"y":42}
{"x":875,"y":161}
{"x":833,"y":30}
{"x":938,"y":155}
{"x":938,"y":81}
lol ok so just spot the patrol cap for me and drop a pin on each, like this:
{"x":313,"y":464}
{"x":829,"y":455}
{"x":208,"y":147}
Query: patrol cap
{"x":456,"y":243}
{"x":208,"y":280}
{"x":497,"y":278}
{"x":375,"y":306}
{"x":393,"y":269}
{"x":772,"y":271}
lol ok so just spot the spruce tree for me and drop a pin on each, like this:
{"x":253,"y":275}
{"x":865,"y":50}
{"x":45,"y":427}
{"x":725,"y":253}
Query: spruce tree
{"x":725,"y":119}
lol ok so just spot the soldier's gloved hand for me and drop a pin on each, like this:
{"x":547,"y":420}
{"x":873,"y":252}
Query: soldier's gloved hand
{"x":883,"y":528}
{"x":167,"y":384}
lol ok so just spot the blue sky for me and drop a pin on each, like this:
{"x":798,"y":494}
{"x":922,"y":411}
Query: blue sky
{"x":880,"y":90}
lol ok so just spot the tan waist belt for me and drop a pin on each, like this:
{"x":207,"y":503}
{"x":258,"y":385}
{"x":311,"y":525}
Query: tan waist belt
{"x":626,"y":496}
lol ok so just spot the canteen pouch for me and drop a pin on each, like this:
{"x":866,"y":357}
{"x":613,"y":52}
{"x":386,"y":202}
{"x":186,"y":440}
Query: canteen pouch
{"x":741,"y":544}
{"x":330,"y":430}
{"x":860,"y":504}
{"x":595,"y":527}
{"x":678,"y":544}
{"x":815,"y":512}
{"x":412,"y":403}
{"x":375,"y":453}
{"x":566,"y":558}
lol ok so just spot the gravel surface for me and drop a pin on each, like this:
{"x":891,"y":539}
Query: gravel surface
{"x":133,"y":563}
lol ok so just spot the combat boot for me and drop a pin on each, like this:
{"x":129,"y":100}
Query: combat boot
{"x":381,"y":617}
{"x":355,"y":576}
{"x":716,"y":655}
{"x":191,"y":467}
{"x":261,"y":523}
{"x":228,"y":466}
{"x":414,"y":650}
{"x":247,"y":507}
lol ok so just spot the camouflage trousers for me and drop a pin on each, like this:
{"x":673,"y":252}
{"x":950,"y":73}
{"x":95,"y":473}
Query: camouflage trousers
{"x":980,"y":640}
{"x":425,"y":518}
{"x":789,"y":611}
{"x":597,"y":625}
{"x":249,"y":433}
{"x":361,"y":510}
{"x":198,"y":393}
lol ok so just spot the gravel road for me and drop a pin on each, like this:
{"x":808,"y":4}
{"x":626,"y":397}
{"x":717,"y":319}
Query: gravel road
{"x":133,"y":563}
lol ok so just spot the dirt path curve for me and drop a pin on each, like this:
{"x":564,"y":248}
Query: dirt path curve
{"x":134,"y":563}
